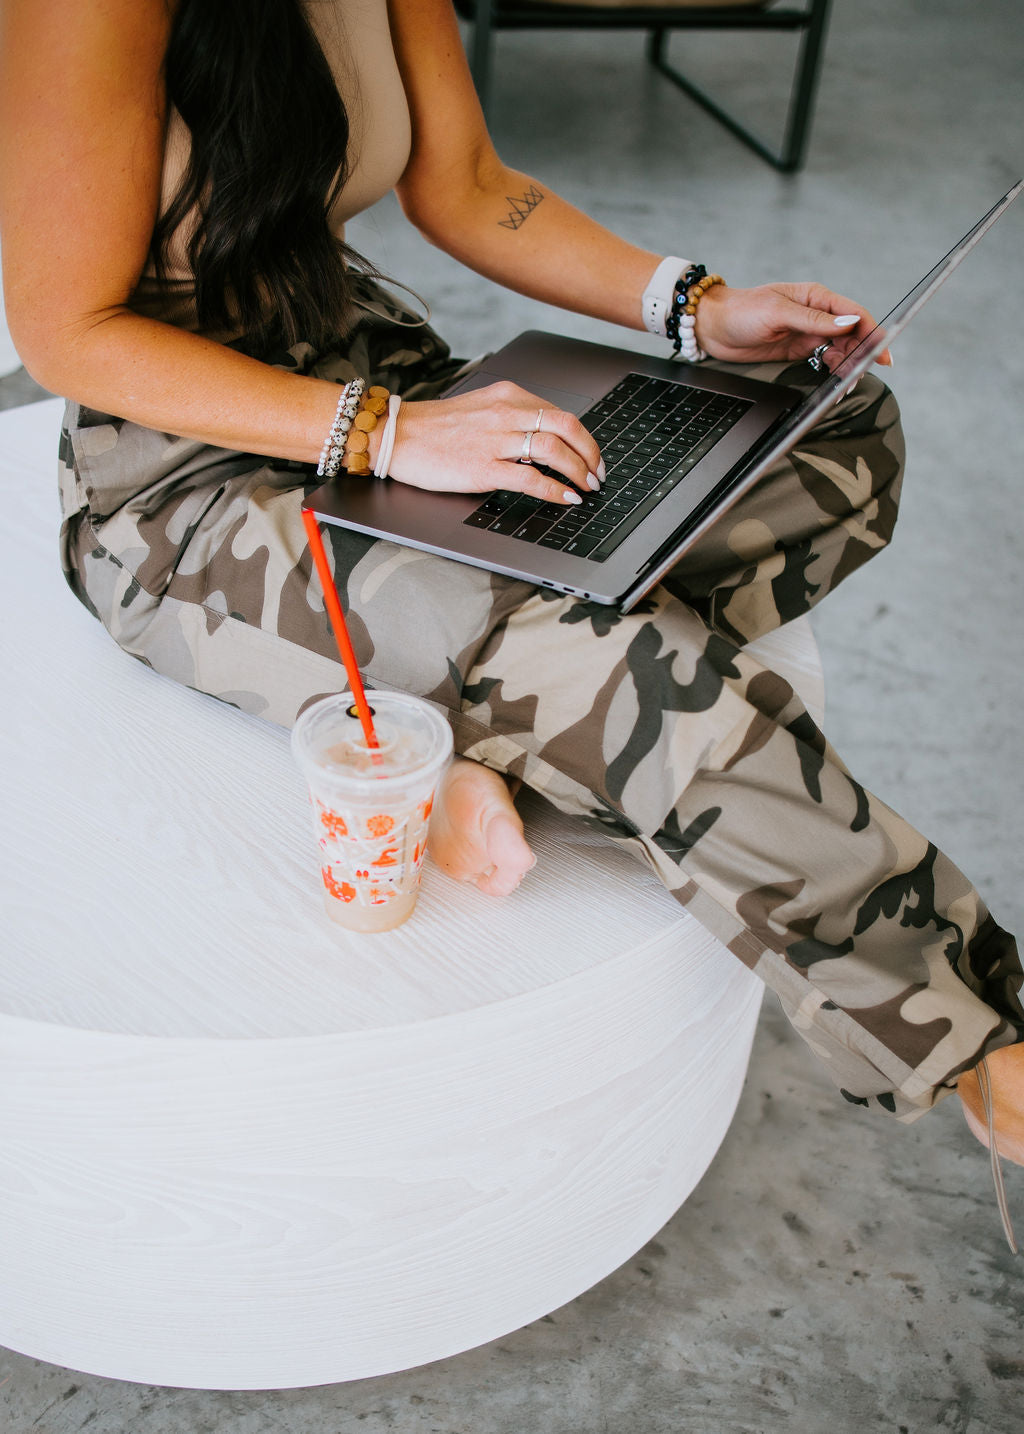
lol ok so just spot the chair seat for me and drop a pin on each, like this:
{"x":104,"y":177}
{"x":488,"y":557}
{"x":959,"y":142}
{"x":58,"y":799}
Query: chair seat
{"x":242,"y":1149}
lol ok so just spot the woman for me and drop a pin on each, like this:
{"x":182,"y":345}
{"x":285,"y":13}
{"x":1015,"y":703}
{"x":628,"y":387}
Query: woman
{"x":173,"y":184}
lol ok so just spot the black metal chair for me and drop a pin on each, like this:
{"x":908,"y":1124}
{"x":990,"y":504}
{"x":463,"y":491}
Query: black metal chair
{"x":808,"y":21}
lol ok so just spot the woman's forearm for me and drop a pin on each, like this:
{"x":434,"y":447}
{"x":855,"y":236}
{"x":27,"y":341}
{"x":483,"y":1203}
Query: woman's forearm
{"x":180,"y":383}
{"x":518,"y":233}
{"x":168,"y":379}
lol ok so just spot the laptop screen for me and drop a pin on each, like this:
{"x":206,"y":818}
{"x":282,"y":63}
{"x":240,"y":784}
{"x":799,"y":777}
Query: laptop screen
{"x":860,"y":359}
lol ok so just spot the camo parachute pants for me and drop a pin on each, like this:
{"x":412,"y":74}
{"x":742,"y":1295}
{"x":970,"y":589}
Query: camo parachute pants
{"x":657,"y":725}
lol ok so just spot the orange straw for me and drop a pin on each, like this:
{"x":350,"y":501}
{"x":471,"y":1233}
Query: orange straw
{"x":337,"y":617}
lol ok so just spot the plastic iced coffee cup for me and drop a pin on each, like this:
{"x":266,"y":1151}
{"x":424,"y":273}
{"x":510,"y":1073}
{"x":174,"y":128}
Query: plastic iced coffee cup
{"x":371,"y":806}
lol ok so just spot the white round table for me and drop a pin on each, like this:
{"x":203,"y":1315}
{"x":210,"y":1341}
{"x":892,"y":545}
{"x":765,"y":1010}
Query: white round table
{"x":240,"y":1149}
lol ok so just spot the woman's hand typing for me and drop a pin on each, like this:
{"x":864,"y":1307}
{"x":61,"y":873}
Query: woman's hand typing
{"x":474,"y":442}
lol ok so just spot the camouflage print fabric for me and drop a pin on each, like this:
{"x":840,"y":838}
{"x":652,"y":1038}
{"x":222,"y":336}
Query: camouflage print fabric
{"x":657,"y":725}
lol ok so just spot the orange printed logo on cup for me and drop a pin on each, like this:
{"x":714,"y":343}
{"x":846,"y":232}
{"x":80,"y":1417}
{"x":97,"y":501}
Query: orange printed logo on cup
{"x":333,"y":823}
{"x":340,"y":890}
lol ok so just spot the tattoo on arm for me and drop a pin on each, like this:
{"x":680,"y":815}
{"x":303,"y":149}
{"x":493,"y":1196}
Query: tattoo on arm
{"x":522,"y":207}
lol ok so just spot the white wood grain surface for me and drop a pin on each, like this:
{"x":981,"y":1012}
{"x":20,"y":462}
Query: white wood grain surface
{"x":240,"y":1149}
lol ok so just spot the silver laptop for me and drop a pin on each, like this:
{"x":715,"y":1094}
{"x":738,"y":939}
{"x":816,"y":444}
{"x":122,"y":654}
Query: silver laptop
{"x":681,"y":445}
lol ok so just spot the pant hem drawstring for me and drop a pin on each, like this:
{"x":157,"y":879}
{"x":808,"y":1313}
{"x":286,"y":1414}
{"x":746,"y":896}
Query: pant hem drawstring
{"x":985,"y":1084}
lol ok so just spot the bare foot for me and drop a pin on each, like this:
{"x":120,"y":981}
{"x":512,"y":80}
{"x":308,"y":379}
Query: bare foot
{"x":475,"y":833}
{"x":1006,"y":1070}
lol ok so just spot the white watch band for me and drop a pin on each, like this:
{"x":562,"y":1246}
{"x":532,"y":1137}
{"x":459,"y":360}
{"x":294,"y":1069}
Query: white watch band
{"x":657,"y":298}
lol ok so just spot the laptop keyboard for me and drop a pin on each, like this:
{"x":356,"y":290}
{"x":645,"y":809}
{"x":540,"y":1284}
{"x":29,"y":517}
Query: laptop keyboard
{"x":651,"y":432}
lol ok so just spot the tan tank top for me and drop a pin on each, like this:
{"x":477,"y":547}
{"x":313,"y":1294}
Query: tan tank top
{"x":356,"y":41}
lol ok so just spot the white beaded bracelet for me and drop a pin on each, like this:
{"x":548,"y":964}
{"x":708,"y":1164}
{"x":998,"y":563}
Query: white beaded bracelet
{"x":689,"y":349}
{"x":334,"y":444}
{"x":387,"y":438}
{"x":657,"y":300}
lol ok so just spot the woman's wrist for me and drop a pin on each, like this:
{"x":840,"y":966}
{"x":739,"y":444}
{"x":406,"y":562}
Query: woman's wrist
{"x":380,"y":440}
{"x":671,"y":301}
{"x":358,"y":428}
{"x":682,"y":321}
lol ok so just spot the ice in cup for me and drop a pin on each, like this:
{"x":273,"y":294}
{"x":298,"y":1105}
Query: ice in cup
{"x":371,"y":806}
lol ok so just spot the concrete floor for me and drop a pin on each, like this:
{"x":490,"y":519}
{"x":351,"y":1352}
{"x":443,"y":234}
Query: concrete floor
{"x":832,"y":1271}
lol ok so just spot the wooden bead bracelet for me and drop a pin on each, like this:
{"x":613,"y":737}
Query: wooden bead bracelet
{"x":356,"y":459}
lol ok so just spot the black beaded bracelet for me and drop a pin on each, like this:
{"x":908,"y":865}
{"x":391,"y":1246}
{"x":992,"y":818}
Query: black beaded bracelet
{"x":681,"y":320}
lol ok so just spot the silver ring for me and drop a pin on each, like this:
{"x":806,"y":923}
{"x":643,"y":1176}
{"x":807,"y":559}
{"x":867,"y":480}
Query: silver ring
{"x":525,"y":455}
{"x":540,"y":420}
{"x":817,"y":358}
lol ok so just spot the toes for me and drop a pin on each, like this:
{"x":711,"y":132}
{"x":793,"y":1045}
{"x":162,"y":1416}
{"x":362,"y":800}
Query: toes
{"x":476,"y":834}
{"x":495,"y":883}
{"x":505,"y":842}
{"x":509,"y":852}
{"x":498,"y":883}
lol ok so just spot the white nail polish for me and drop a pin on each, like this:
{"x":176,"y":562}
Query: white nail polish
{"x":571,"y":497}
{"x":602,"y":472}
{"x":844,"y":321}
{"x":593,"y":482}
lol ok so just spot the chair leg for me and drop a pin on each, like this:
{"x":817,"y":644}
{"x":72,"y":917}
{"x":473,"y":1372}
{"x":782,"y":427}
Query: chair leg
{"x":480,"y":54}
{"x":805,"y":87}
{"x":790,"y":158}
{"x":656,"y":46}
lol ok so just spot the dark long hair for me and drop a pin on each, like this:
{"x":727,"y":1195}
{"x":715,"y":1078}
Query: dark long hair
{"x":269,"y":156}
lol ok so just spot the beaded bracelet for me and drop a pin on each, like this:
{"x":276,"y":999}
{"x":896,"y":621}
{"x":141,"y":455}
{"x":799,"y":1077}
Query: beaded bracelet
{"x":357,"y":457}
{"x":680,"y":326}
{"x":334,"y":443}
